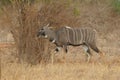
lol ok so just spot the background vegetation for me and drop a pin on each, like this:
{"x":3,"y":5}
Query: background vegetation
{"x":23,"y":18}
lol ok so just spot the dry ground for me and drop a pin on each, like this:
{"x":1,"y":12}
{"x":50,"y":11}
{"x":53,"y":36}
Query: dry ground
{"x":75,"y":68}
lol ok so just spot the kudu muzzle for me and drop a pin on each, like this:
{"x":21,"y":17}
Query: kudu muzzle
{"x":41,"y":34}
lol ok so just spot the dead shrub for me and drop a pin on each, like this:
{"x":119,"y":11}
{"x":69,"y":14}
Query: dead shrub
{"x":25,"y":19}
{"x":59,"y":14}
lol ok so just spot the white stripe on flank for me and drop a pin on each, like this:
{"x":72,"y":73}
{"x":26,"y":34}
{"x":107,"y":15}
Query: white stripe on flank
{"x":76,"y":36}
{"x":73,"y":36}
{"x":90,"y":35}
{"x":81,"y":36}
{"x":67,"y":35}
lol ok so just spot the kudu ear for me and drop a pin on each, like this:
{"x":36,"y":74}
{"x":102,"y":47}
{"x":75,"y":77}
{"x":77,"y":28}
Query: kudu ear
{"x":48,"y":26}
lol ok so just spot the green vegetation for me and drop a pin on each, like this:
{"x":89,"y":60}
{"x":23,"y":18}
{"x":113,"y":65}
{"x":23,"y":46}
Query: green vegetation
{"x":76,"y":11}
{"x":116,"y":5}
{"x":4,"y":2}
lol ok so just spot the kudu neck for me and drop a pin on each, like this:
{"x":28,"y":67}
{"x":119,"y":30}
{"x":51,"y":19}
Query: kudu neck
{"x":52,"y":35}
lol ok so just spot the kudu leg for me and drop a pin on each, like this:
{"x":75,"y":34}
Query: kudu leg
{"x":52,"y":57}
{"x":88,"y":53}
{"x":95,"y":48}
{"x":53,"y":54}
{"x":66,"y":51}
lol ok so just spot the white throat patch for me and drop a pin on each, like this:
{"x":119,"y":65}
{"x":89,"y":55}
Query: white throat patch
{"x":46,"y":36}
{"x":53,"y":41}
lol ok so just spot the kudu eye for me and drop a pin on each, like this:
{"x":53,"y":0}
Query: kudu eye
{"x":42,"y":29}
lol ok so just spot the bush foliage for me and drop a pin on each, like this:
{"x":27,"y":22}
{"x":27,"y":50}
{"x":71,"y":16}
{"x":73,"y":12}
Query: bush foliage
{"x":25,"y":18}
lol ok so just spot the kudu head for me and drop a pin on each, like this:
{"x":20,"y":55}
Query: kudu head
{"x":44,"y":31}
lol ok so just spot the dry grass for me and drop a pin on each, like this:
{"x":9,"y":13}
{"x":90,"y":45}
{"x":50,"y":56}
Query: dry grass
{"x":75,"y":68}
{"x":72,"y":66}
{"x":76,"y":71}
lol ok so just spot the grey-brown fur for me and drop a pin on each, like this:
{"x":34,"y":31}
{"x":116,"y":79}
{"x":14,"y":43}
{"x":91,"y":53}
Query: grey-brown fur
{"x":66,"y":36}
